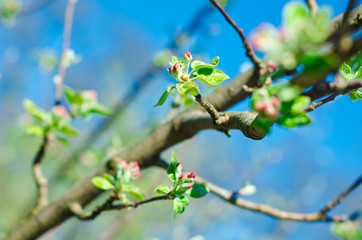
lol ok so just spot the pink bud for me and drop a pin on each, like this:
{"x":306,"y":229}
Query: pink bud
{"x":191,"y":175}
{"x":189,"y":186}
{"x":259,"y":105}
{"x":275,"y":102}
{"x":272,"y":66}
{"x":183,"y":175}
{"x":124,"y":164}
{"x":176,"y":67}
{"x":177,"y":165}
{"x":90,"y":94}
{"x":263,"y":71}
{"x":61,"y":111}
{"x":265,"y":107}
{"x":135,"y":165}
{"x":187,"y":54}
{"x":274,"y":113}
{"x":137,"y":174}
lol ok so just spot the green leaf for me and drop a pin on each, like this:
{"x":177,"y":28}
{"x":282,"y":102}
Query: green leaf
{"x":164,"y":96}
{"x":102,"y":183}
{"x":171,"y":170}
{"x":200,"y":64}
{"x":36,"y":112}
{"x":109,"y":177}
{"x":163,"y":189}
{"x":198,"y":191}
{"x":355,"y":95}
{"x":136,"y":192}
{"x":299,"y":103}
{"x":63,"y":140}
{"x":295,"y":15}
{"x":288,"y":93}
{"x":100,"y":109}
{"x":65,"y":128}
{"x":294,"y":121}
{"x":211,"y":76}
{"x":187,"y":88}
{"x":263,"y":125}
{"x":35,"y":130}
{"x":345,"y":71}
{"x":178,"y":206}
{"x":73,"y":96}
{"x":184,"y":200}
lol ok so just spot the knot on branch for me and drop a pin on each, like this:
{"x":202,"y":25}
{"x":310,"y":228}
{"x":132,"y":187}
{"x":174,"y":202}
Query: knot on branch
{"x":244,"y":122}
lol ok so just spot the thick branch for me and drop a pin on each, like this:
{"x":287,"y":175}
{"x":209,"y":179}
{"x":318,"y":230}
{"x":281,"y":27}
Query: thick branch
{"x":249,"y":50}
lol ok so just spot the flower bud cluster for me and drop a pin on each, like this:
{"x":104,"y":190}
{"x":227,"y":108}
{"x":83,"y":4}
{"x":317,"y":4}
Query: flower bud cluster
{"x":133,"y":167}
{"x":270,"y":68}
{"x":266,"y":105}
{"x":61,"y":111}
{"x":184,"y":181}
{"x":176,"y":70}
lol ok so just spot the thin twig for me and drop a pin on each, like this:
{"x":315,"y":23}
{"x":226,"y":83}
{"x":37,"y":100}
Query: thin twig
{"x":314,"y":105}
{"x":108,"y":205}
{"x":343,"y":24}
{"x":40,"y":180}
{"x":338,"y":199}
{"x":313,"y":7}
{"x":68,"y":22}
{"x":249,"y":50}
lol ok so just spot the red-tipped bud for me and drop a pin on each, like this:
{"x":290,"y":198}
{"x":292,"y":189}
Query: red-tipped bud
{"x":189,"y":186}
{"x":273,"y":113}
{"x":191,"y":175}
{"x":177,"y":165}
{"x":61,"y":111}
{"x":272,"y":66}
{"x":263,"y":71}
{"x":124,"y":164}
{"x":90,"y":94}
{"x":259,"y":105}
{"x":135,"y":165}
{"x":187,"y":54}
{"x":275,"y":102}
{"x":176,"y":67}
{"x":137,"y":174}
{"x":182,"y":176}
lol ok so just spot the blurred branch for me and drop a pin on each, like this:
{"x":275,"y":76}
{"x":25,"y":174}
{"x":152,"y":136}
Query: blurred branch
{"x":313,"y":7}
{"x":108,"y":205}
{"x":314,"y":105}
{"x":249,"y":50}
{"x":234,"y":199}
{"x":41,"y":181}
{"x":32,"y":8}
{"x":68,"y":22}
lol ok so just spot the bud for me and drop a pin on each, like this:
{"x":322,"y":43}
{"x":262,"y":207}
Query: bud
{"x":137,"y":174}
{"x":90,"y":94}
{"x":263,"y":71}
{"x":259,"y":105}
{"x":191,"y":175}
{"x":275,"y":102}
{"x":124,"y":164}
{"x":177,"y":165}
{"x":189,"y":186}
{"x":61,"y":111}
{"x":272,"y":66}
{"x":135,"y":168}
{"x":175,"y":71}
{"x":187,"y":57}
{"x":135,"y":165}
{"x":182,"y":176}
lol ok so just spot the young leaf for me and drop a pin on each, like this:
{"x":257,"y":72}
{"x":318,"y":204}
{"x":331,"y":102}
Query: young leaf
{"x":63,"y":140}
{"x":136,"y":192}
{"x":100,"y":109}
{"x":109,"y":177}
{"x":288,"y":93}
{"x":184,"y":200}
{"x":211,"y":76}
{"x":67,"y":129}
{"x":164,"y":96}
{"x":36,"y":112}
{"x":171,"y":170}
{"x":178,"y":206}
{"x":345,"y":71}
{"x":199,"y":64}
{"x":187,"y":88}
{"x":198,"y":191}
{"x":73,"y":96}
{"x":35,"y":130}
{"x":102,"y":183}
{"x":163,"y":189}
{"x":299,"y":103}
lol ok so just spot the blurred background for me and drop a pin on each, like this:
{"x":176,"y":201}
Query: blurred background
{"x":123,"y":46}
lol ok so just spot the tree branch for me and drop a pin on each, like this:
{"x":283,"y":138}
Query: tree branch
{"x":68,"y":22}
{"x":108,"y":205}
{"x":234,"y":199}
{"x":249,"y":50}
{"x":314,"y":105}
{"x":40,"y":180}
{"x":313,"y":7}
